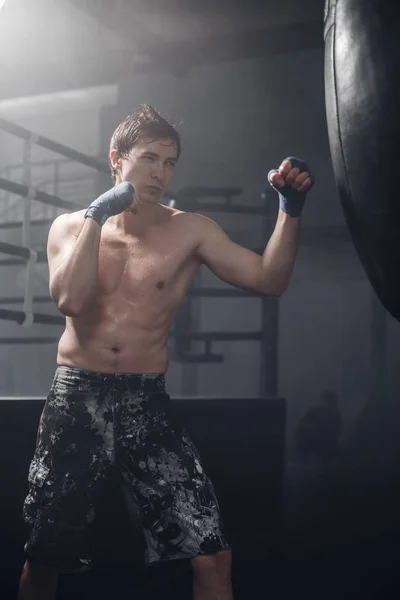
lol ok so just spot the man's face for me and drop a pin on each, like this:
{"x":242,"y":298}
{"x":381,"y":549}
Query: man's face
{"x":149,"y":168}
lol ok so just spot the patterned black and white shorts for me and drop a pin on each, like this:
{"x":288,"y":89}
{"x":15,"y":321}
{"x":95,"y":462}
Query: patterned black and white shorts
{"x":93,"y":424}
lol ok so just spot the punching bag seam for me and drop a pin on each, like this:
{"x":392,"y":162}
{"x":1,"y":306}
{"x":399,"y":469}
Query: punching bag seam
{"x":337,"y":103}
{"x":326,"y":32}
{"x":329,"y":16}
{"x":352,"y":225}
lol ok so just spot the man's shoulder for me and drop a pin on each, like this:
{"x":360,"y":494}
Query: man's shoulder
{"x":191,"y":218}
{"x":68,"y":221}
{"x":195,"y":228}
{"x":73,"y":217}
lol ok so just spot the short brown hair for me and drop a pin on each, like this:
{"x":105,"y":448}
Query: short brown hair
{"x":145,"y":122}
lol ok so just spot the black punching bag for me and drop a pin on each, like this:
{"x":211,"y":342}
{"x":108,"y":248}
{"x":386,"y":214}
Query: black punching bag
{"x":362,"y":89}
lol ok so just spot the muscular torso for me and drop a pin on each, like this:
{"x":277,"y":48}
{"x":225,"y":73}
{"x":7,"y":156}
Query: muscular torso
{"x":143,"y":276}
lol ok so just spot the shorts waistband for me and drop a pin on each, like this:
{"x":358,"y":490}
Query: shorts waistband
{"x":132,"y":380}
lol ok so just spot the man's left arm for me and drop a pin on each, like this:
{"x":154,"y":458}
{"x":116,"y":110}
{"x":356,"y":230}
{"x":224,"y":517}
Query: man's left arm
{"x":270,"y":273}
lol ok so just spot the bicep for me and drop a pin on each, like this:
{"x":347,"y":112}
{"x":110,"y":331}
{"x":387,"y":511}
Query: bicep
{"x":229,"y":261}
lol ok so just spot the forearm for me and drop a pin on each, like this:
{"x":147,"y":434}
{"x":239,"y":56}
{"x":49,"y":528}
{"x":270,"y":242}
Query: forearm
{"x":280,"y":255}
{"x":74,"y":283}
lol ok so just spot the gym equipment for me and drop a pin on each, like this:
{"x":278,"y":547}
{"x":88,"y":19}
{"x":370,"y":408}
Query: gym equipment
{"x":362,"y":62}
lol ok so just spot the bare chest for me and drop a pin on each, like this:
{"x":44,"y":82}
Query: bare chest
{"x":144,"y":265}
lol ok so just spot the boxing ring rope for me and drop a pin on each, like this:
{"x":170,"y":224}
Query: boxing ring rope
{"x":18,"y":316}
{"x":23,"y":190}
{"x":53,"y":146}
{"x":22,"y":252}
{"x":7,"y":341}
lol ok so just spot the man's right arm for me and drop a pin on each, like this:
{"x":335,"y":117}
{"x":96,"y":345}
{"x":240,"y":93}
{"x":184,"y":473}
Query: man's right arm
{"x":73,"y":257}
{"x":73,"y":250}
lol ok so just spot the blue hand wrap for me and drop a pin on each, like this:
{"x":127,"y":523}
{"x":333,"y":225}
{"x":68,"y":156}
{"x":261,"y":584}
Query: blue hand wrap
{"x":290,"y":200}
{"x":111,"y":203}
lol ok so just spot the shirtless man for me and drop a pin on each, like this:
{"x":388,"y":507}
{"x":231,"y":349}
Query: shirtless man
{"x":119,"y":271}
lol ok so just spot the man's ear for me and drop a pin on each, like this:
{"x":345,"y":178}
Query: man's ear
{"x":115,"y":159}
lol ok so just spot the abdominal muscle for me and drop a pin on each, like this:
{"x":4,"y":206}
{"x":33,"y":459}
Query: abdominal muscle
{"x":116,"y":336}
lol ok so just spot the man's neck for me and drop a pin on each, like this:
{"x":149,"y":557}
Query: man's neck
{"x":140,"y":216}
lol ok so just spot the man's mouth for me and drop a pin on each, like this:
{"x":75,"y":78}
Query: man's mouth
{"x":155,"y":188}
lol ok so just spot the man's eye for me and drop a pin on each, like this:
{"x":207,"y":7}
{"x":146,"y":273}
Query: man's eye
{"x":170,"y":163}
{"x":148,"y":157}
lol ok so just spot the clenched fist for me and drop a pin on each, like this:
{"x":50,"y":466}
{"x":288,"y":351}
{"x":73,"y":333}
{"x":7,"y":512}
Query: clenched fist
{"x":292,"y":181}
{"x":111,"y":203}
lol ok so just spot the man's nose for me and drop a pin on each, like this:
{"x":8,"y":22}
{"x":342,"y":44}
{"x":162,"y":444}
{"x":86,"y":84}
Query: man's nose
{"x":158,"y":170}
